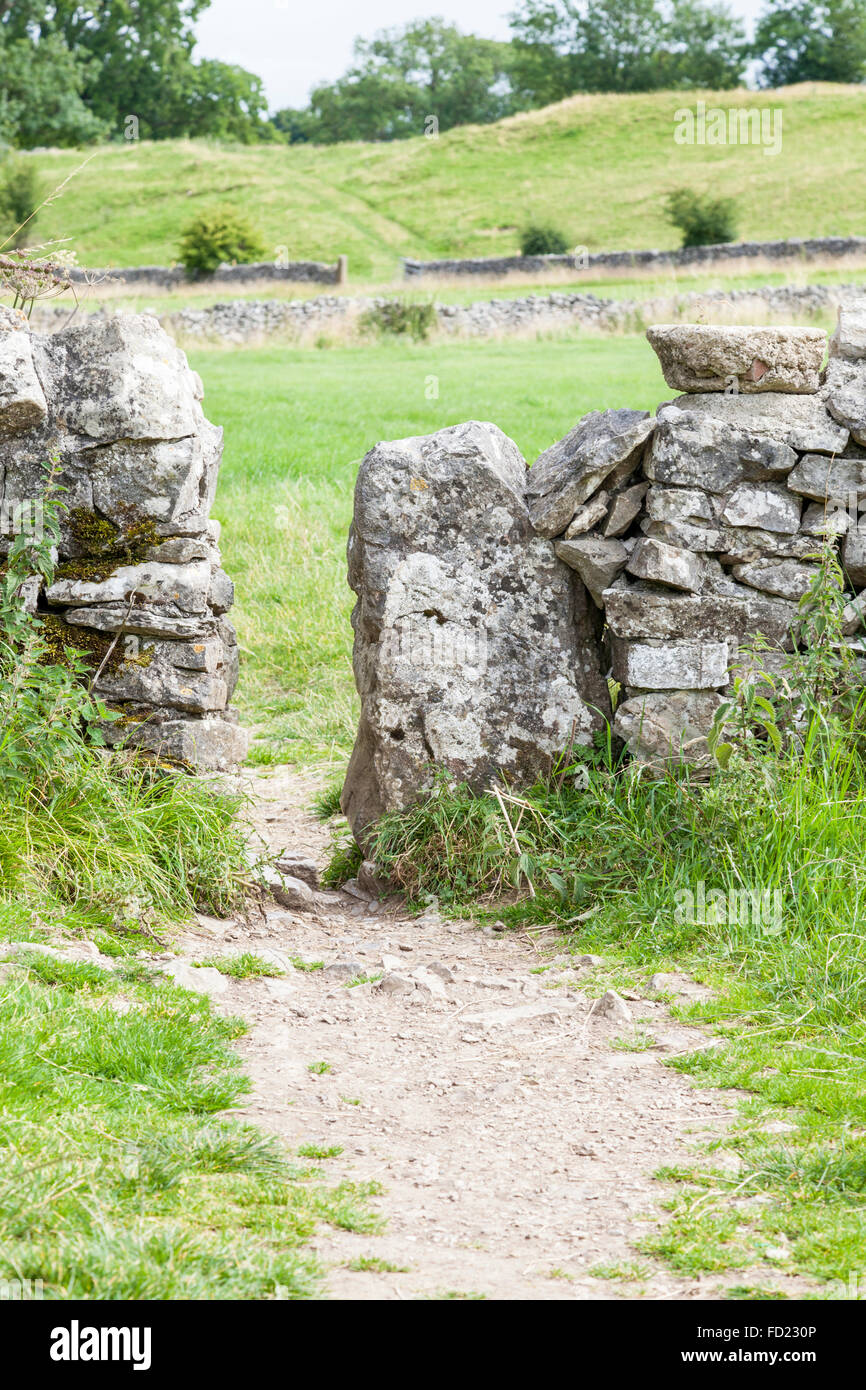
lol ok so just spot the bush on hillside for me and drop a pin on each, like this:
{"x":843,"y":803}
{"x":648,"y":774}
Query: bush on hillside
{"x":19,"y":198}
{"x":542,"y":241}
{"x":218,"y":237}
{"x":703,"y":220}
{"x":400,"y":316}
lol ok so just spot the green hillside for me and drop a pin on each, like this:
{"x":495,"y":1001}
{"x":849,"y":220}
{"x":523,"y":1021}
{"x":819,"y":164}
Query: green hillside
{"x":598,"y":166}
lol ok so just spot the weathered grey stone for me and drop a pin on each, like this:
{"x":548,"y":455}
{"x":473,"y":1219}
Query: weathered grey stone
{"x":681,"y":504}
{"x":797,"y":422}
{"x":624,"y":509}
{"x":835,"y":479}
{"x":158,"y":673}
{"x":587,"y":516}
{"x":613,"y":1007}
{"x":596,"y":560}
{"x":854,"y":555}
{"x":170,"y":482}
{"x":299,"y":867}
{"x":474,"y":649}
{"x":670,"y":666}
{"x":644,"y":613}
{"x":786,"y":578}
{"x":602,"y":444}
{"x":733,"y":542}
{"x":120,"y":378}
{"x":669,"y":727}
{"x":180,"y":589}
{"x":140,"y":622}
{"x":203,"y":979}
{"x":822,"y":519}
{"x":712,"y":357}
{"x":845,"y":392}
{"x":765,"y":506}
{"x":666,"y":564}
{"x":22,"y":400}
{"x":854,"y":616}
{"x":849,"y":339}
{"x":695,"y":450}
{"x":211,"y":744}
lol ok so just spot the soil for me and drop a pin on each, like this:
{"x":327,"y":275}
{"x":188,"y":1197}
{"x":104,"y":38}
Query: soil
{"x":513,"y":1129}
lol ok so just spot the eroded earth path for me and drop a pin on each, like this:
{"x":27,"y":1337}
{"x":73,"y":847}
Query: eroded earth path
{"x":514,"y":1141}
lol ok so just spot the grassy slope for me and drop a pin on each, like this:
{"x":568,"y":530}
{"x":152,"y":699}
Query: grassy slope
{"x":598,"y":166}
{"x":297,"y":423}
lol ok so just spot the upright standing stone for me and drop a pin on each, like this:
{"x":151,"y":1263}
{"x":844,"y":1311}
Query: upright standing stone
{"x":474,"y":651}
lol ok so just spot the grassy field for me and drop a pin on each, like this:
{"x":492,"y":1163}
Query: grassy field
{"x":297,"y":424}
{"x":597,"y":166}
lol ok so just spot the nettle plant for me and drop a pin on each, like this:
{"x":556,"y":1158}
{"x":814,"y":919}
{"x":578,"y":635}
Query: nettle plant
{"x":47,"y":711}
{"x":820,"y":684}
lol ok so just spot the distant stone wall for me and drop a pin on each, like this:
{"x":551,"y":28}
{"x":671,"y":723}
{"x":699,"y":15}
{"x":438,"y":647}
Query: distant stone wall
{"x":139,"y":585}
{"x":251,"y":320}
{"x":175,"y":277}
{"x":493,"y":602}
{"x":810,"y":249}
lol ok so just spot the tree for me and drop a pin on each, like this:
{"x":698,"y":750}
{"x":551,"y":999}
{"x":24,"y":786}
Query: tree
{"x":562,"y":47}
{"x":823,"y":42}
{"x":134,"y":58}
{"x":41,"y":101}
{"x":403,"y":77}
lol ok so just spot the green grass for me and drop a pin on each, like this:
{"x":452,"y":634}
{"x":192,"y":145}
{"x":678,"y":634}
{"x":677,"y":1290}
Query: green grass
{"x":122,"y":1178}
{"x":297,"y":424}
{"x":789,"y":1008}
{"x":244,"y":966}
{"x":596,"y":166}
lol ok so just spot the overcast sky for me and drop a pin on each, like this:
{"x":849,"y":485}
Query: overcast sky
{"x":295,"y":44}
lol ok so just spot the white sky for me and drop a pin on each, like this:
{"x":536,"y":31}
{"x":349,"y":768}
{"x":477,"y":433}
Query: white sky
{"x":293,"y":45}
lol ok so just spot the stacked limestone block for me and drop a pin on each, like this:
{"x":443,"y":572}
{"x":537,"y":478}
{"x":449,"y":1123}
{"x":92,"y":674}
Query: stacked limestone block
{"x":116,"y":402}
{"x":698,"y":530}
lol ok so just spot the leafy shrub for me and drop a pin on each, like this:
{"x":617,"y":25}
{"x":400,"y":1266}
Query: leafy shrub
{"x":19,"y":199}
{"x":216,"y":237}
{"x":542,"y":241}
{"x":702,"y":219}
{"x":400,"y":316}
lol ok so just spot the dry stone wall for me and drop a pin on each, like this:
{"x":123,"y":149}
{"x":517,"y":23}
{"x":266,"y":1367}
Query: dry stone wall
{"x":646,"y":549}
{"x":115,"y":402}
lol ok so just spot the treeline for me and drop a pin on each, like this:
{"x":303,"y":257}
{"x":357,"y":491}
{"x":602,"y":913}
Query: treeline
{"x":71,"y":74}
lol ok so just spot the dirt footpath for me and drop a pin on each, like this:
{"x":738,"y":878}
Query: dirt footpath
{"x":514,"y":1140}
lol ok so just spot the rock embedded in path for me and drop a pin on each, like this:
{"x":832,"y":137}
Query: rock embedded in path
{"x":474,"y":648}
{"x":613,"y":1007}
{"x":603,"y":445}
{"x":712,"y":357}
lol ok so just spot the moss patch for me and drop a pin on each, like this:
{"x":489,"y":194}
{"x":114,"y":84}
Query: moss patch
{"x":105,"y":546}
